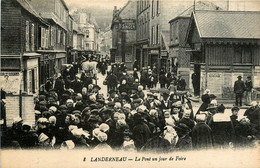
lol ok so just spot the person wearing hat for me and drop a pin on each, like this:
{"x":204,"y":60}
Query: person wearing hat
{"x":205,"y":101}
{"x":253,"y":114}
{"x":184,"y":142}
{"x":162,"y":79}
{"x":248,"y":89}
{"x":77,"y":84}
{"x":233,"y":117}
{"x":239,"y":88}
{"x":181,"y":83}
{"x":202,"y":137}
{"x":59,"y":85}
{"x":222,"y":130}
{"x":166,"y":103}
{"x":141,"y":131}
{"x":186,"y":119}
{"x":144,"y":77}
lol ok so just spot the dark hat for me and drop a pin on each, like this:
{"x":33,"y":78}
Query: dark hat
{"x":92,"y":118}
{"x":101,"y":101}
{"x":239,"y":77}
{"x":94,"y":111}
{"x":138,"y":117}
{"x":221,"y":108}
{"x":93,"y":106}
{"x":249,"y":77}
{"x":97,"y":87}
{"x":182,"y":127}
{"x":212,"y":96}
{"x":106,"y":111}
{"x":46,"y":114}
{"x":235,"y":108}
{"x":111,"y":103}
{"x":76,"y":112}
{"x":63,"y":107}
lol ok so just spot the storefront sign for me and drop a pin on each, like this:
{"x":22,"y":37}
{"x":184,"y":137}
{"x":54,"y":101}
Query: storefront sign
{"x":215,"y":82}
{"x":154,"y":51}
{"x":164,"y":54}
{"x":128,"y":25}
{"x":10,"y":82}
{"x":227,"y":88}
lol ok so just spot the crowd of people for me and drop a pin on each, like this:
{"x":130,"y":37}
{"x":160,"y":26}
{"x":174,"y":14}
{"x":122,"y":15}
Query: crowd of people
{"x":73,"y":113}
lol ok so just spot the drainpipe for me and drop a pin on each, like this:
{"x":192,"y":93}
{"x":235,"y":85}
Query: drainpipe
{"x":20,"y":89}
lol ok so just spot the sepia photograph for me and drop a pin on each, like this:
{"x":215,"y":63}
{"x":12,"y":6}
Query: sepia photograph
{"x":130,"y":83}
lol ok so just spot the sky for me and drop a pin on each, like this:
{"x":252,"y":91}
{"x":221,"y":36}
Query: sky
{"x":252,"y":5}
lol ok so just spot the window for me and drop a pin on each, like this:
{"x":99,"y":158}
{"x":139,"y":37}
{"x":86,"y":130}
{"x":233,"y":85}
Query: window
{"x":27,"y":37}
{"x":247,"y":57}
{"x":242,"y":54}
{"x":58,"y":36}
{"x":42,"y":37}
{"x":152,"y":8}
{"x":157,"y":34}
{"x":47,"y":39}
{"x":152,"y":36}
{"x":32,"y":38}
{"x":87,"y":46}
{"x":176,"y":33}
{"x":158,"y":6}
{"x":64,"y":38}
{"x":52,"y":35}
{"x":87,"y":33}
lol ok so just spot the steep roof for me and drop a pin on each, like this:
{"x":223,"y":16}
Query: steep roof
{"x":28,"y":7}
{"x":228,"y":24}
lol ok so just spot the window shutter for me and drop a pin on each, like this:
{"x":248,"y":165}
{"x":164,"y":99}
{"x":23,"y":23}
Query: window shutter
{"x":27,"y":37}
{"x":32,"y":38}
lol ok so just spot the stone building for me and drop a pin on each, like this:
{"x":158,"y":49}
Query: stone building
{"x":124,"y":34}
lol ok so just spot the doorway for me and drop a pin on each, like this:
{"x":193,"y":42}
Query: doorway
{"x":196,"y":79}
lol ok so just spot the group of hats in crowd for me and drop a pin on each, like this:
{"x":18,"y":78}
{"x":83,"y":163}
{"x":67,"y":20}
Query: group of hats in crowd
{"x":126,"y":120}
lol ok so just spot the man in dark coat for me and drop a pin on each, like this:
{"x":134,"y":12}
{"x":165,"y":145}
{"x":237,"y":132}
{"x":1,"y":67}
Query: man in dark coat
{"x":184,"y":141}
{"x":162,"y":79}
{"x":141,"y":132}
{"x":222,"y":130}
{"x":111,"y":81}
{"x":206,"y":101}
{"x":181,"y":84}
{"x":202,"y":137}
{"x":59,"y":85}
{"x":239,"y":89}
{"x":195,"y":83}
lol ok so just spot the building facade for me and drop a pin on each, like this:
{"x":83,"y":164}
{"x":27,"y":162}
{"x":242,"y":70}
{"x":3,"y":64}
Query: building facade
{"x":124,"y":34}
{"x":55,"y":46}
{"x":20,"y":73}
{"x":142,"y":31}
{"x":21,"y":37}
{"x":229,"y":47}
{"x":179,"y":59}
